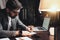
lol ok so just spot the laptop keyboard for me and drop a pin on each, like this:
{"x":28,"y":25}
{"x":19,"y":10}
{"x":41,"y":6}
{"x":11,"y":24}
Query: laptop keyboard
{"x":40,"y":28}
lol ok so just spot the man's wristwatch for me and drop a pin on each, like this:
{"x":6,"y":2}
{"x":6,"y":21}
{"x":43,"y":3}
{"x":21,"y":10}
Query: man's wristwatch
{"x":20,"y":33}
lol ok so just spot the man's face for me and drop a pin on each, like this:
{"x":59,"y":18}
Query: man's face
{"x":14,"y":13}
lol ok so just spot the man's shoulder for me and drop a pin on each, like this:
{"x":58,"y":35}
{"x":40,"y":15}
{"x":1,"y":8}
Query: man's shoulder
{"x":3,"y":15}
{"x":2,"y":12}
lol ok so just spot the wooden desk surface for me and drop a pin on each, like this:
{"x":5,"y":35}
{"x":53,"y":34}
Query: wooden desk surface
{"x":51,"y":37}
{"x":44,"y":36}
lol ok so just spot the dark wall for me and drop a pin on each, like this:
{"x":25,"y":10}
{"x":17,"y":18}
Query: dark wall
{"x":30,"y":14}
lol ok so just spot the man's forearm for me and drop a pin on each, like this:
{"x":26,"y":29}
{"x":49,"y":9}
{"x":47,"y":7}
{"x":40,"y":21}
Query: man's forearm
{"x":8,"y":33}
{"x":20,"y":23}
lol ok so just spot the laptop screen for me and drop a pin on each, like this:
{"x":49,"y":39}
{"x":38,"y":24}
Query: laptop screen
{"x":46,"y":23}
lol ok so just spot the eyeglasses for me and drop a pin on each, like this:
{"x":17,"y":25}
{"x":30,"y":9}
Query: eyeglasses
{"x":16,"y":11}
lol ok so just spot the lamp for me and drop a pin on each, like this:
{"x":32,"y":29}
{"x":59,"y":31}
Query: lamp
{"x":52,"y":7}
{"x":49,"y":5}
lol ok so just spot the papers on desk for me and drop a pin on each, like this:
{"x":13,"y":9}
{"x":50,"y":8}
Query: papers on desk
{"x":23,"y":38}
{"x":4,"y":39}
{"x":19,"y":38}
{"x":32,"y":33}
{"x":28,"y":33}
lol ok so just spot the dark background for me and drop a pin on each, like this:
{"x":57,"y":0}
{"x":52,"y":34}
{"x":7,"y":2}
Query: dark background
{"x":30,"y":14}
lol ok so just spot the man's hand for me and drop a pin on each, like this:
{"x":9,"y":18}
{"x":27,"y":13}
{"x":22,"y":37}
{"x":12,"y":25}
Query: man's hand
{"x":30,"y":28}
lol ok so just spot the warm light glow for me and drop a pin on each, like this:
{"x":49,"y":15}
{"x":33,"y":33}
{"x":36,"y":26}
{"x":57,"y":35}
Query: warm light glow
{"x":53,"y":8}
{"x":51,"y":30}
{"x":49,"y":5}
{"x":46,"y":15}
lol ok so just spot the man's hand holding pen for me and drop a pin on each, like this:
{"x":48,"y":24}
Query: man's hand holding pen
{"x":30,"y":28}
{"x":20,"y":33}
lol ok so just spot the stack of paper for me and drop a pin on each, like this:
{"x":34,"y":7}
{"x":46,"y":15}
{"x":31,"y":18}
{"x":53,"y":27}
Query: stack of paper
{"x":28,"y":33}
{"x":23,"y":38}
{"x":5,"y":39}
{"x":32,"y":33}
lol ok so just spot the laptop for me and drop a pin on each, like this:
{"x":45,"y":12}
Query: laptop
{"x":44,"y":26}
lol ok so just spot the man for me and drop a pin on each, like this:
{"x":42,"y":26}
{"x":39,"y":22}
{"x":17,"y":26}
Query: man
{"x":9,"y":19}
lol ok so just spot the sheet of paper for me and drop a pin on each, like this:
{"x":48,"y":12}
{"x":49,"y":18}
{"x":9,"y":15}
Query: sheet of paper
{"x":5,"y":39}
{"x":23,"y":38}
{"x":27,"y":33}
{"x":32,"y":33}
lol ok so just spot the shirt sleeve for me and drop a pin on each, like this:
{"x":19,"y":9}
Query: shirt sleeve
{"x":20,"y":22}
{"x":6,"y":33}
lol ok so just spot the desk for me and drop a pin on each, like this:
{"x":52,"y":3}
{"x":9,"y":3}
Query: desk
{"x":51,"y":37}
{"x":43,"y":36}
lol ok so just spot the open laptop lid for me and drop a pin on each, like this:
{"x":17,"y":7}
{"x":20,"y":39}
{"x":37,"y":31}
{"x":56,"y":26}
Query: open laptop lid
{"x":46,"y":23}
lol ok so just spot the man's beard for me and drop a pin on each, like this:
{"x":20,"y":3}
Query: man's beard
{"x":12,"y":16}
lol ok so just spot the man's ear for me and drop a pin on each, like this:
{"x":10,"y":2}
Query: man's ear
{"x":7,"y":10}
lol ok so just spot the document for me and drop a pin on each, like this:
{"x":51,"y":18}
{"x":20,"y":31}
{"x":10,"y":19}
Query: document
{"x":23,"y":38}
{"x":5,"y":39}
{"x":28,"y":33}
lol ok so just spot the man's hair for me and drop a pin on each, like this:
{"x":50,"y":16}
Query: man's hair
{"x":13,"y":4}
